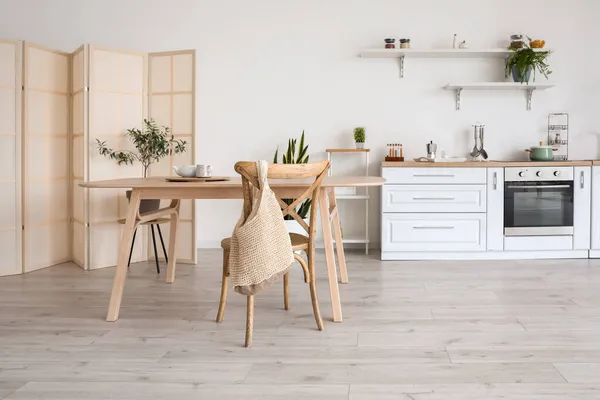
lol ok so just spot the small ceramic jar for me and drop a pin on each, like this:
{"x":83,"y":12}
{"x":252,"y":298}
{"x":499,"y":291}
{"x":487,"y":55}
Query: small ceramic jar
{"x":405,"y":43}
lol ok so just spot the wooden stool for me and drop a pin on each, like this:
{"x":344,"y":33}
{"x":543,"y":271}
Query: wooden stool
{"x":156,"y":222}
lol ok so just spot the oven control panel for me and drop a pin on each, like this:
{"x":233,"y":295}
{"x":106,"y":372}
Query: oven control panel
{"x":536,"y":174}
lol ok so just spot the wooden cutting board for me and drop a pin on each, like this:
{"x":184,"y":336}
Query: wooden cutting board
{"x":211,"y":179}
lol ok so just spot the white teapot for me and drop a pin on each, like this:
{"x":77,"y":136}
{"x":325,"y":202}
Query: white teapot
{"x":185,"y":171}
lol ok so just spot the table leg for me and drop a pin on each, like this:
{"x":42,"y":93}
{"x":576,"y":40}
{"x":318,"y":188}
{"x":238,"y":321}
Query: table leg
{"x":172,"y":243}
{"x":334,"y":289}
{"x":124,"y":247}
{"x":337,"y":230}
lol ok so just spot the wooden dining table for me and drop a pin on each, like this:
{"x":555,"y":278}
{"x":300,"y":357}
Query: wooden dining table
{"x":160,"y":188}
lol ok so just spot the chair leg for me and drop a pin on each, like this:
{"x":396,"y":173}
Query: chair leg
{"x":155,"y":252}
{"x":131,"y":250}
{"x":162,"y":243}
{"x":286,"y":291}
{"x":249,"y":320}
{"x":224,"y":286}
{"x":313,"y":289}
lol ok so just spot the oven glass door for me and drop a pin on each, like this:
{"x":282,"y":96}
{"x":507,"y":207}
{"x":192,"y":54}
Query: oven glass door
{"x":538,"y":208}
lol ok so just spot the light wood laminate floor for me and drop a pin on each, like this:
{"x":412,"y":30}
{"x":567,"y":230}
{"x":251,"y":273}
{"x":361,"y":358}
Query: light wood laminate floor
{"x":412,"y":330}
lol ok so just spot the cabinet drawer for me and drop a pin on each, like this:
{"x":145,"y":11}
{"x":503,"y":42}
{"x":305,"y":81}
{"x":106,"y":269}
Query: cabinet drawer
{"x":438,"y":198}
{"x":433,"y":232}
{"x":429,"y":175}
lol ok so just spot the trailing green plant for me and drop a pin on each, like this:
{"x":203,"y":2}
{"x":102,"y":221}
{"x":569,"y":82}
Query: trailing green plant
{"x":527,"y":59}
{"x":295,"y":155}
{"x":153,"y":142}
{"x":359,"y":134}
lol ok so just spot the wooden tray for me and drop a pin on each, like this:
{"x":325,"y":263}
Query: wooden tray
{"x":211,"y":179}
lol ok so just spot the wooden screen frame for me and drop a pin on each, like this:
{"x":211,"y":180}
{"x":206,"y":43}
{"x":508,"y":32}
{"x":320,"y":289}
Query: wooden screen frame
{"x":17,"y":268}
{"x":83,"y":49}
{"x":24,"y":134}
{"x":192,"y":135}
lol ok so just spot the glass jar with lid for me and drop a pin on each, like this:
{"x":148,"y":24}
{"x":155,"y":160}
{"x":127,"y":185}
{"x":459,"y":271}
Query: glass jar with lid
{"x":516,"y":41}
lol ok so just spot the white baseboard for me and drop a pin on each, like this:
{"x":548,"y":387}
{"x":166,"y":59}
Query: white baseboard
{"x":594,"y":253}
{"x":484,"y":255}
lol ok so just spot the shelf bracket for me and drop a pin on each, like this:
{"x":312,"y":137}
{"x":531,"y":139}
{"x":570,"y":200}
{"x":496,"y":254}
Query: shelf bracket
{"x":529,"y":97}
{"x":506,"y":65}
{"x":401,"y":66}
{"x":458,"y":92}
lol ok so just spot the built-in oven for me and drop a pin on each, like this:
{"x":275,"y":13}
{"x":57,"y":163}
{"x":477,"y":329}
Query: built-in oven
{"x":538,"y":201}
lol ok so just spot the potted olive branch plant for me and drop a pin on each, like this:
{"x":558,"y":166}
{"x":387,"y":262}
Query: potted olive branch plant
{"x":295,"y":155}
{"x":152,"y":143}
{"x":359,"y":137}
{"x":526,"y":60}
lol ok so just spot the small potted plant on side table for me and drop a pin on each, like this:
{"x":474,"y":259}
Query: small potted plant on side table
{"x":153,"y":143}
{"x":359,"y":137}
{"x":527,"y":59}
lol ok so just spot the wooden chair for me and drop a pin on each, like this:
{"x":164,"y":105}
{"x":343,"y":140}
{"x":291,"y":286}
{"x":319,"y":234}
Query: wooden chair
{"x":304,"y":243}
{"x":156,"y":222}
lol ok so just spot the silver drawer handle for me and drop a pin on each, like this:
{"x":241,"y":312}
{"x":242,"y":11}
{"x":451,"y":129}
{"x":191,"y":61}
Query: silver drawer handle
{"x":434,"y":198}
{"x":539,"y":187}
{"x":432,"y":176}
{"x":433,"y":227}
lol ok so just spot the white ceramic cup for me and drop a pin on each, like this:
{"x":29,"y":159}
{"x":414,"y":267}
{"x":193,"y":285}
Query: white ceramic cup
{"x":203,"y":171}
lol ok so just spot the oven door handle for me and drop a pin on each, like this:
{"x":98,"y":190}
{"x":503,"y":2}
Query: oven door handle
{"x":539,"y":187}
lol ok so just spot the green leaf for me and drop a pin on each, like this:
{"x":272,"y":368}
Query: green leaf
{"x":276,"y":155}
{"x":290,"y":155}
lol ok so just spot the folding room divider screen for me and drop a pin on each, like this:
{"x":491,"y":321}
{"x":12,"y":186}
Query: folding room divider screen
{"x":69,"y":100}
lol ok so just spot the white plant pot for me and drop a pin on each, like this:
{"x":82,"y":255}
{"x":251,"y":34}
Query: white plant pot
{"x":294,"y":227}
{"x":360,"y":145}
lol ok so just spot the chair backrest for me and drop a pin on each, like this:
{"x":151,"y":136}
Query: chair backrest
{"x":317,"y":170}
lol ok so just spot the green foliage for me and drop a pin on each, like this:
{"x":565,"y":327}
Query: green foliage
{"x":359,"y":134}
{"x":295,"y":155}
{"x":152,"y":144}
{"x":526,"y":59}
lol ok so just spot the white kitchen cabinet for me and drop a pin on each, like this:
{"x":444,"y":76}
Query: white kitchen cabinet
{"x":433,"y":232}
{"x":495,"y":209}
{"x":582,"y":193}
{"x":457,"y":213}
{"x":434,"y":198}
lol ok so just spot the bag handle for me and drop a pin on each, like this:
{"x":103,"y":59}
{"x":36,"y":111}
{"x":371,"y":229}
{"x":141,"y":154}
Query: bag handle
{"x":263,"y":169}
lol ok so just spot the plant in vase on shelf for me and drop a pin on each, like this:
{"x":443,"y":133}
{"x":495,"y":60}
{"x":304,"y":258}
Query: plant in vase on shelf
{"x":152,"y":143}
{"x":359,"y":137}
{"x":525,"y":60}
{"x":295,"y":155}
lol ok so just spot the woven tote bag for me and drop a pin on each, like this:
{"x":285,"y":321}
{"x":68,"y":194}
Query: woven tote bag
{"x":260,"y":250}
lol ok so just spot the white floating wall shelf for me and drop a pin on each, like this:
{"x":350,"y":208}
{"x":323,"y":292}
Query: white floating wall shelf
{"x":401,"y":54}
{"x":459,"y":87}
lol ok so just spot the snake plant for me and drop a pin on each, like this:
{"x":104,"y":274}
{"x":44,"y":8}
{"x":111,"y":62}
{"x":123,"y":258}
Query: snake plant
{"x":295,"y":155}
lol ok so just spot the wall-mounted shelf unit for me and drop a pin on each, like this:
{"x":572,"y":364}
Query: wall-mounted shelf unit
{"x":354,"y":195}
{"x":401,"y":54}
{"x":459,"y":87}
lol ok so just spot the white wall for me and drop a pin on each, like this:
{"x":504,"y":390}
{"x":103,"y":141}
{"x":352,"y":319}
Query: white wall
{"x":269,"y":68}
